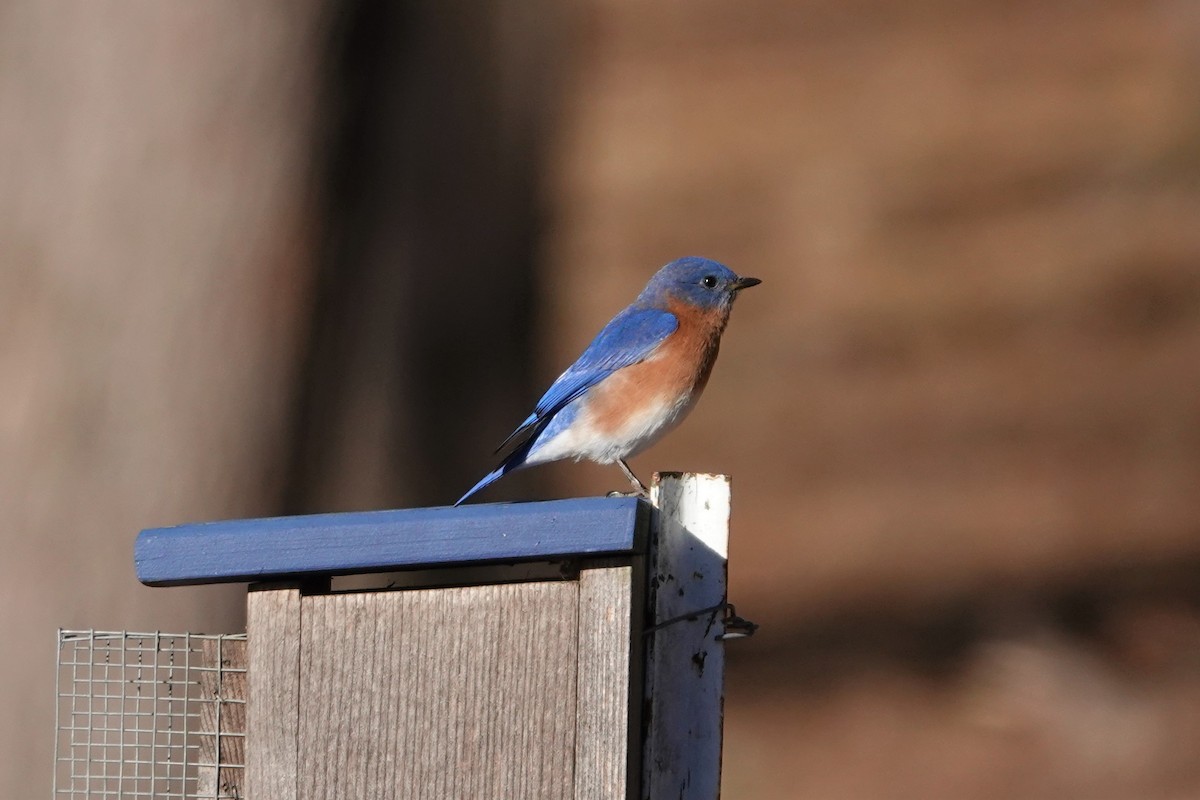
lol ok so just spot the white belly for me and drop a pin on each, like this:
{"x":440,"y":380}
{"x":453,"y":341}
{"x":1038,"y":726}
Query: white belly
{"x":584,"y":439}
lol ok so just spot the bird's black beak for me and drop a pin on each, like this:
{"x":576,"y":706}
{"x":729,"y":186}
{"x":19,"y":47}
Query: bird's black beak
{"x":745,"y":283}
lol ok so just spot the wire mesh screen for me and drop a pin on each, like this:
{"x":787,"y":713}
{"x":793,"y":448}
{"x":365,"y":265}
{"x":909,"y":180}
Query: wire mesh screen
{"x":150,"y":715}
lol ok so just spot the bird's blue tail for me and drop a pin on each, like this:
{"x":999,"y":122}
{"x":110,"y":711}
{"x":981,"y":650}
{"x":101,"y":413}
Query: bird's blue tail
{"x":528,"y":434}
{"x":487,"y":480}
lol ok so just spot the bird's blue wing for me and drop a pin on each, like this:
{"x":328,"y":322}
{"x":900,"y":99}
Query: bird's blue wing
{"x":631,"y":336}
{"x":628,"y":338}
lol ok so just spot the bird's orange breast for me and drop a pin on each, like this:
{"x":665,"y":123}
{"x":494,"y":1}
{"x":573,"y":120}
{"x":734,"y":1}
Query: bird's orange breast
{"x":670,"y":378}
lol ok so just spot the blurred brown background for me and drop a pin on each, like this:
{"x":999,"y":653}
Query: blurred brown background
{"x":278,"y":258}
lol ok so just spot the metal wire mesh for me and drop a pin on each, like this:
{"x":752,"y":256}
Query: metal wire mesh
{"x":150,"y":715}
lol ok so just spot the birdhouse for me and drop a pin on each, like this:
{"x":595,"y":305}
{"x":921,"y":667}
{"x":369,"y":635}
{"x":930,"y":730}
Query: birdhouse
{"x":562,"y":649}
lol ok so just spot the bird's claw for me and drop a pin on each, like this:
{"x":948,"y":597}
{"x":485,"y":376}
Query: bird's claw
{"x":645,"y":495}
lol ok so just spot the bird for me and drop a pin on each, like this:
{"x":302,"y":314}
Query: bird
{"x":637,"y":380}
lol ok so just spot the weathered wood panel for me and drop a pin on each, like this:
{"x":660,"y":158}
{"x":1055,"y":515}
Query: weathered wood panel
{"x":685,"y":663}
{"x":273,"y":631}
{"x":440,"y":693}
{"x":603,"y":708}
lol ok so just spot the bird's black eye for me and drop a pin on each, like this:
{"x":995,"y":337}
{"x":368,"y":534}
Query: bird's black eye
{"x":709,"y":281}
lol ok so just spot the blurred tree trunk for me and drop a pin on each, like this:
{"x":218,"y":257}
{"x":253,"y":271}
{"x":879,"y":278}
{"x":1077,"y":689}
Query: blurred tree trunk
{"x":154,"y":287}
{"x":255,"y":258}
{"x":155,"y":273}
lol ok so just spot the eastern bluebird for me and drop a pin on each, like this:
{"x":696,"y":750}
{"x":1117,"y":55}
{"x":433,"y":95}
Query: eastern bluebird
{"x":638,"y":378}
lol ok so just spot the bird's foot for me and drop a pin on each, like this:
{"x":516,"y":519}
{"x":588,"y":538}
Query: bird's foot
{"x":644,"y":494}
{"x":639,"y":488}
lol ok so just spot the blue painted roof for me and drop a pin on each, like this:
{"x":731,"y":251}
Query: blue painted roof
{"x":380,"y":541}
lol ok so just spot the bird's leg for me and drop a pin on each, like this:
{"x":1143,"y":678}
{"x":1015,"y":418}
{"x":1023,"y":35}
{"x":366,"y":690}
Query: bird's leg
{"x":639,"y":488}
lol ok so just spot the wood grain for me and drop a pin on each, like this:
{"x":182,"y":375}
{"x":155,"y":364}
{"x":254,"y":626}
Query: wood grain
{"x":222,"y":719}
{"x":440,"y":693}
{"x":603,"y":708}
{"x":273,"y":631}
{"x":685,"y":664}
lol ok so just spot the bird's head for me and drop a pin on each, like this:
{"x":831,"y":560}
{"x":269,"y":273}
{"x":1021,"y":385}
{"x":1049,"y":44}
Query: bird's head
{"x":699,"y":282}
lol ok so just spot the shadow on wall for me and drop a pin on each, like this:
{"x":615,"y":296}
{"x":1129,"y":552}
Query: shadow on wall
{"x":436,"y":124}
